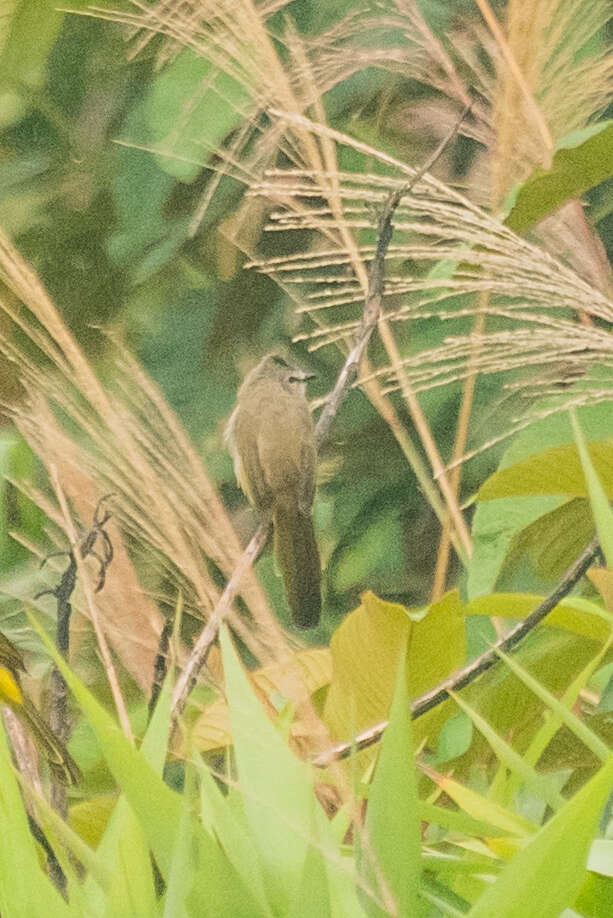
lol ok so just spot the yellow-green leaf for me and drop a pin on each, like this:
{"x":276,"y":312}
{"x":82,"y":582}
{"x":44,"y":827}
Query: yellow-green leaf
{"x":574,"y":614}
{"x":554,"y":471}
{"x":365,"y":652}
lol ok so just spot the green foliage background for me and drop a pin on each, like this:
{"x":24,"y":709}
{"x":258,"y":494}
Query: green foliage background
{"x":514,"y":775}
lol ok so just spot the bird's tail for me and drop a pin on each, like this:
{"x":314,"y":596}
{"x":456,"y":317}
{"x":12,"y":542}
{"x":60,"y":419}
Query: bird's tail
{"x":298,"y":558}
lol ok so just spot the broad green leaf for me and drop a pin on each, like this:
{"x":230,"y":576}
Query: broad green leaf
{"x":554,"y":656}
{"x":375,"y":548}
{"x":580,"y":162}
{"x":496,"y":524}
{"x":574,"y":613}
{"x":603,"y":515}
{"x":553,"y":541}
{"x":190,"y":108}
{"x":32,"y":29}
{"x":544,"y":877}
{"x":141,"y":190}
{"x":554,"y":429}
{"x":90,"y":817}
{"x":392,"y":817}
{"x":554,"y":471}
{"x":365,"y":650}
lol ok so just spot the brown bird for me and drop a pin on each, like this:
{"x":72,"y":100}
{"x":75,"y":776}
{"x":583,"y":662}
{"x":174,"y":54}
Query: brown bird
{"x":63,"y":766}
{"x":271,"y":437}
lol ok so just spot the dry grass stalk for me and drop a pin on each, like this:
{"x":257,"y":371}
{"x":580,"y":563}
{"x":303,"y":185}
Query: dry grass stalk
{"x":129,"y":443}
{"x":217,"y":32}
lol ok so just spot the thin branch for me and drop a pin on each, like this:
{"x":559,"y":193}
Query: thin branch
{"x":62,"y":592}
{"x":476,"y":668}
{"x":342,"y":387}
{"x":105,"y":652}
{"x":200,"y":652}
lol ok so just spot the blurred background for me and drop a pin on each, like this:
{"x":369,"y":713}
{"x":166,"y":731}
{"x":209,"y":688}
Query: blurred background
{"x":147,"y":245}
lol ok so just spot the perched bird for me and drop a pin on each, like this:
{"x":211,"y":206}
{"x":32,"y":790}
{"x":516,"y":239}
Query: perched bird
{"x":271,"y":438}
{"x":62,"y":765}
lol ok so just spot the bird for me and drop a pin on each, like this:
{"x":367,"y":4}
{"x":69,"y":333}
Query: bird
{"x":271,"y":438}
{"x":62,"y":765}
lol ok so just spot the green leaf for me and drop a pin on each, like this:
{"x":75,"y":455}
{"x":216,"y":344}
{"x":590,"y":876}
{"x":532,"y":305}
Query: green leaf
{"x":553,"y":541}
{"x":123,"y":849}
{"x":156,"y":810}
{"x":376,"y":550}
{"x":313,"y":899}
{"x":498,"y":521}
{"x":574,"y":613}
{"x":552,"y":723}
{"x":179,"y":876}
{"x":229,"y":824}
{"x":190,"y":108}
{"x":277,"y":810}
{"x":562,"y":712}
{"x":365,"y":651}
{"x":457,"y":821}
{"x":581,"y":162}
{"x":392,"y":817}
{"x":595,"y":900}
{"x":544,"y":877}
{"x":603,"y":515}
{"x":479,"y":808}
{"x":511,"y":759}
{"x":495,"y":526}
{"x":33,"y":28}
{"x":554,"y":471}
{"x":25,"y":890}
{"x":455,"y":738}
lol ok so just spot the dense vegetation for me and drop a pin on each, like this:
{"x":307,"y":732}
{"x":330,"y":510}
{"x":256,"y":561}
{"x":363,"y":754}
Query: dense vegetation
{"x":185,"y":187}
